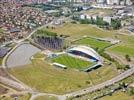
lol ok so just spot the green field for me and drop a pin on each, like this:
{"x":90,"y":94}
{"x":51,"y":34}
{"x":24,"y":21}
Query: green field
{"x":1,"y":59}
{"x":46,"y":98}
{"x":115,"y":96}
{"x":21,"y":97}
{"x":122,"y":50}
{"x":118,"y":96}
{"x":46,"y":78}
{"x":94,"y":43}
{"x":39,"y":55}
{"x":76,"y":31}
{"x":1,"y":30}
{"x":72,"y":62}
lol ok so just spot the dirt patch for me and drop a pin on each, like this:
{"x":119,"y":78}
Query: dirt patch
{"x":3,"y":90}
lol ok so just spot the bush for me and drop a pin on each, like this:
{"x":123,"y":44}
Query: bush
{"x":73,"y":22}
{"x":105,"y":55}
{"x":88,"y":82}
{"x":115,"y":23}
{"x":45,"y":33}
{"x":131,"y":91}
{"x":128,"y":58}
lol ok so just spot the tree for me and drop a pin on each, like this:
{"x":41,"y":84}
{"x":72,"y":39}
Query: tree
{"x":128,"y":58}
{"x":99,"y":21}
{"x":92,"y":20}
{"x":115,"y":23}
{"x":131,"y":91}
{"x":84,"y":21}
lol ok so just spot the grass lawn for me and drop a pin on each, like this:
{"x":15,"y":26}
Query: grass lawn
{"x":93,"y":43}
{"x":20,"y":97}
{"x":72,"y":62}
{"x":122,"y":50}
{"x":115,"y":96}
{"x":1,"y":59}
{"x":79,"y":30}
{"x":118,"y":96}
{"x":39,"y":55}
{"x":1,"y":30}
{"x":45,"y":78}
{"x":46,"y":98}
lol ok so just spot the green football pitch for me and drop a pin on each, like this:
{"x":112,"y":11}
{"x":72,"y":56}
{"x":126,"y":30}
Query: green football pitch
{"x":95,"y":43}
{"x":72,"y":62}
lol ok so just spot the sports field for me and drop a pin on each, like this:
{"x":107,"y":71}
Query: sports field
{"x":72,"y":62}
{"x":123,"y":50}
{"x":95,"y":43}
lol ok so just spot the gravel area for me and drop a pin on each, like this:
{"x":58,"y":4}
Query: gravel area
{"x":21,"y":56}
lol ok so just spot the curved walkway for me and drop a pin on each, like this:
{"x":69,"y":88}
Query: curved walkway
{"x":36,"y":95}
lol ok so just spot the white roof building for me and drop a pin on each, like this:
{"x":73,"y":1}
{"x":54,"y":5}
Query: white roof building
{"x":85,"y":52}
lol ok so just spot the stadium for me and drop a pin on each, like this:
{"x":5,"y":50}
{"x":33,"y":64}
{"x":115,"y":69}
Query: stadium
{"x":78,"y":57}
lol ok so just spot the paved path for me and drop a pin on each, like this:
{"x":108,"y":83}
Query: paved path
{"x":14,"y":84}
{"x":36,"y":95}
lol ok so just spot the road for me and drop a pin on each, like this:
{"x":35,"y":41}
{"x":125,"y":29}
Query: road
{"x":36,"y":95}
{"x":14,"y":84}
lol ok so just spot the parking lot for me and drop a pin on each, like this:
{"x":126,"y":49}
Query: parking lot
{"x":21,"y":56}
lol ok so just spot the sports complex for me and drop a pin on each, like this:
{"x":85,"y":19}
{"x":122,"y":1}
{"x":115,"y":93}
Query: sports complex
{"x":62,"y":63}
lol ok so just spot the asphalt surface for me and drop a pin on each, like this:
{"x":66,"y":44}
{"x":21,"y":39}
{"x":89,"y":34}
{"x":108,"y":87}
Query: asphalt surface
{"x":14,"y":84}
{"x":21,"y":55}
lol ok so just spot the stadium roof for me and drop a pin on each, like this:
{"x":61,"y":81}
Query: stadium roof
{"x":86,"y":50}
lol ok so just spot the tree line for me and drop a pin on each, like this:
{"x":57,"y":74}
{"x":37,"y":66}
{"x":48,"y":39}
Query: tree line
{"x":115,"y":23}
